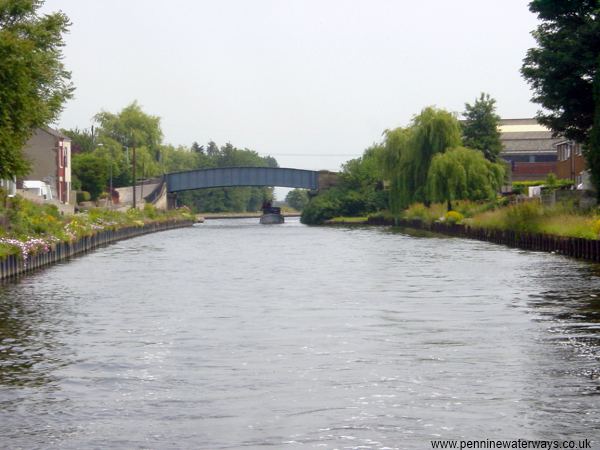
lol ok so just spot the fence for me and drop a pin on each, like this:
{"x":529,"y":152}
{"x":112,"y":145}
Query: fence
{"x":588,"y":249}
{"x":15,"y":265}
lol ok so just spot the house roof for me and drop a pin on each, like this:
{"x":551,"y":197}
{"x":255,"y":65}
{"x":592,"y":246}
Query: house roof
{"x":526,"y":137}
{"x":527,"y":121}
{"x":55,"y":133}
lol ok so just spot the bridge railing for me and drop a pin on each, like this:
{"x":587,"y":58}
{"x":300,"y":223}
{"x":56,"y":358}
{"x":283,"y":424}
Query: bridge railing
{"x":242,"y":176}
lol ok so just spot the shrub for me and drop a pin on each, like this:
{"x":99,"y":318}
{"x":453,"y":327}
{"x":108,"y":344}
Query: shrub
{"x":453,"y":217}
{"x":83,"y":196}
{"x":150,"y":211}
{"x":320,"y":209}
{"x":418,"y":211}
{"x":524,"y":216}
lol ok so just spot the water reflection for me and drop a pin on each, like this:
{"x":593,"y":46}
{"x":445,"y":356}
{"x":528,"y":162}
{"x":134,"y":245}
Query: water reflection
{"x":29,"y":349}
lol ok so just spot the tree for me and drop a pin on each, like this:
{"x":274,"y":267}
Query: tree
{"x":231,"y":198}
{"x":197,"y":148}
{"x":411,"y":151}
{"x":463,"y":173}
{"x":33,"y":81}
{"x":81,"y":140}
{"x":91,"y":170}
{"x":393,"y":162}
{"x":297,"y":199}
{"x":563,"y":71}
{"x":480,"y":128}
{"x":131,"y":127}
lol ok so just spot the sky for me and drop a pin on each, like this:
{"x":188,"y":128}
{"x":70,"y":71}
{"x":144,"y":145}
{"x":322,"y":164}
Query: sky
{"x":311,"y":82}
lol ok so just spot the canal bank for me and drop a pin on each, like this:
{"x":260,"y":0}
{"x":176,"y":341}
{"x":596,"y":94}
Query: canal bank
{"x":587,"y":249}
{"x":15,"y":265}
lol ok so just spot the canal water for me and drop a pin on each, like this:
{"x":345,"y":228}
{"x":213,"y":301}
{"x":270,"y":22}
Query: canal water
{"x":234,"y":335}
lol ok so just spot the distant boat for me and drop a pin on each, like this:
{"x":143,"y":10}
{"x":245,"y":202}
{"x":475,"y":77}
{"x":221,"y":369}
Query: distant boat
{"x":271,"y":215}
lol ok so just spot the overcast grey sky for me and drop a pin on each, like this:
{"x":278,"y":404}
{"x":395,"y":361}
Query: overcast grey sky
{"x":300,"y":80}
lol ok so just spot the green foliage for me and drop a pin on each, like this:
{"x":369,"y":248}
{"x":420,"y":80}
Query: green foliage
{"x":237,"y":199}
{"x":562,"y":69}
{"x":453,"y":217}
{"x":559,"y":220}
{"x":564,"y":72}
{"x":83,"y":196}
{"x":131,"y":127}
{"x":150,"y":211}
{"x":341,"y":201}
{"x":480,"y":128}
{"x":551,"y":180}
{"x":407,"y":155}
{"x":418,"y":211}
{"x":33,"y":81}
{"x":592,"y":149}
{"x":394,"y":165}
{"x":435,"y":130}
{"x":297,"y":199}
{"x":112,"y":151}
{"x":321,"y":208}
{"x":81,"y":140}
{"x":92,"y":171}
{"x":26,"y":218}
{"x":463,"y":174}
{"x":520,"y":187}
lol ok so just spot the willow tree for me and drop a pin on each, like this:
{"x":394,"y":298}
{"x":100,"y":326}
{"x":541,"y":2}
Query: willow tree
{"x":463,"y":174}
{"x":434,"y":131}
{"x":393,"y":161}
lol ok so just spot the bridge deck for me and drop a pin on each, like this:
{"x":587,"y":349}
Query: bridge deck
{"x":242,"y":176}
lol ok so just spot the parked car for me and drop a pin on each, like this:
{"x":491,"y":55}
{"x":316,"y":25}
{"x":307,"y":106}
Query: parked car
{"x":38,"y":188}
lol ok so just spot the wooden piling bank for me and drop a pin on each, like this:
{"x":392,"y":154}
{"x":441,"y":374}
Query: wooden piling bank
{"x":588,"y":249}
{"x":14,"y":265}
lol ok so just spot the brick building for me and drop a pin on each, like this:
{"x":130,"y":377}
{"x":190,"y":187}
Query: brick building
{"x":529,"y":148}
{"x":50,"y":155}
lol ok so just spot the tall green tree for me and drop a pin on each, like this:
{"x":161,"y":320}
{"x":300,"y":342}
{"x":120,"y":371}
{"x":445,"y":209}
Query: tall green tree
{"x":131,"y":127}
{"x":82,"y":141}
{"x":394,"y":165}
{"x":432,"y":132}
{"x":297,"y":199}
{"x":463,"y":173}
{"x":480,"y":127}
{"x":34,"y":83}
{"x":92,"y":170}
{"x":563,"y":70}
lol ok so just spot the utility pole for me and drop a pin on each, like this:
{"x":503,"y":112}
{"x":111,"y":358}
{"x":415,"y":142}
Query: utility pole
{"x":134,"y":180}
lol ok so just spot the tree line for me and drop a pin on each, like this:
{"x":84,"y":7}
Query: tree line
{"x":104,"y":156}
{"x":427,"y":160}
{"x":435,"y":158}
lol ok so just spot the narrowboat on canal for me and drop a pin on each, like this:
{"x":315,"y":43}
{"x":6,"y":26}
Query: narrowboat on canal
{"x":271,"y":214}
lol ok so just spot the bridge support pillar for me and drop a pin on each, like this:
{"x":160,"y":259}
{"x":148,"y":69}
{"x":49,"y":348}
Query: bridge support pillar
{"x":327,"y":179}
{"x":172,"y":200}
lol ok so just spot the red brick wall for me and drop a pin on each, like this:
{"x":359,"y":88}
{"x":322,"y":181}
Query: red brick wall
{"x":522,"y":171}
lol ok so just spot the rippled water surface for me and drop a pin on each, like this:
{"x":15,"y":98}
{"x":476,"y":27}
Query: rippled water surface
{"x":235,"y":335}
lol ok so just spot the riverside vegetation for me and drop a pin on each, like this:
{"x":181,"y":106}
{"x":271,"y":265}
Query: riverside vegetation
{"x":28,"y":227}
{"x":423,"y":172}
